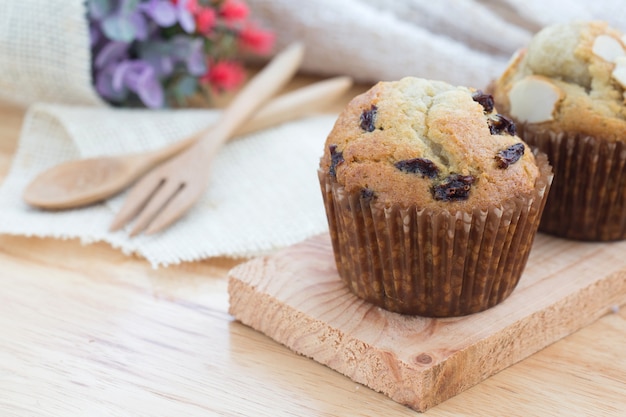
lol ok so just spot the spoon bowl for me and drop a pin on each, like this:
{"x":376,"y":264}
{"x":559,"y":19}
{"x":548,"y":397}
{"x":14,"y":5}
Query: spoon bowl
{"x":63,"y":186}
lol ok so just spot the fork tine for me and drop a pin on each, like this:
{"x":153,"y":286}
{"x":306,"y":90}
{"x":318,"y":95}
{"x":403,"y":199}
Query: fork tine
{"x":178,"y":206}
{"x":158,"y":200}
{"x":137,"y":198}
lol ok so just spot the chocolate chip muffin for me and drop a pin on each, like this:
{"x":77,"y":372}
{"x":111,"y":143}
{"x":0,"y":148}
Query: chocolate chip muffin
{"x":566,"y":94}
{"x":432,"y":200}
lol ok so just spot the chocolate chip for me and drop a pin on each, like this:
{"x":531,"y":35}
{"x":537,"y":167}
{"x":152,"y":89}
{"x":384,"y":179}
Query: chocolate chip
{"x":368,"y":117}
{"x":423,"y":166}
{"x":336,"y":158}
{"x":510,"y":155}
{"x":485,"y":100}
{"x":455,"y":187}
{"x":499,"y":123}
{"x":367,"y":193}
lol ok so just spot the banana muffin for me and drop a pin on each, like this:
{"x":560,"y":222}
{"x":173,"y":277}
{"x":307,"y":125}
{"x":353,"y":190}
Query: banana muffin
{"x":432,"y":200}
{"x":566,"y":92}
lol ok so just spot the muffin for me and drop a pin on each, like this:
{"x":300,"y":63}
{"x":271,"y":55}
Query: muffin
{"x":432,"y":201}
{"x":566,"y":94}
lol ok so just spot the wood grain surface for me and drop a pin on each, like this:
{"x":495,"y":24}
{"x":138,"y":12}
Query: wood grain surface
{"x":296,"y":297}
{"x":88,"y":331}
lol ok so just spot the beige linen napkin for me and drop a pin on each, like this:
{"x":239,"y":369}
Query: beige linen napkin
{"x":264,"y":192}
{"x":45,"y":53}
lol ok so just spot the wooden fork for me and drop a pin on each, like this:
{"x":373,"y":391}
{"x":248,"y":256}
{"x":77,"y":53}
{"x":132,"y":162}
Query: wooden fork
{"x":169,"y":190}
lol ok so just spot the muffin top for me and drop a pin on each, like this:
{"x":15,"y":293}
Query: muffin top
{"x":423,"y":143}
{"x":570,"y":78}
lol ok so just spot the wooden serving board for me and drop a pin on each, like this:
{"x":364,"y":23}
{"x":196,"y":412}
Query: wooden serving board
{"x":296,"y":297}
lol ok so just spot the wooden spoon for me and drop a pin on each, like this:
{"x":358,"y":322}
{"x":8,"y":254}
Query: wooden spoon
{"x":86,"y":181}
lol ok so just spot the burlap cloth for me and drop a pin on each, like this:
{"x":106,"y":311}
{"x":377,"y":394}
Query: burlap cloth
{"x":264,"y":193}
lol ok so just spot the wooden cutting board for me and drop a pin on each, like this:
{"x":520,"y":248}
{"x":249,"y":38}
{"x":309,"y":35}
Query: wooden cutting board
{"x":296,"y":297}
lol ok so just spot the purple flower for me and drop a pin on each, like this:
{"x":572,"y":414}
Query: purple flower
{"x":142,"y":30}
{"x":162,"y":12}
{"x":184,"y":16}
{"x":141,"y":79}
{"x":111,"y":52}
{"x":190,"y":52}
{"x":104,"y":85}
{"x":166,"y":14}
{"x":118,"y":79}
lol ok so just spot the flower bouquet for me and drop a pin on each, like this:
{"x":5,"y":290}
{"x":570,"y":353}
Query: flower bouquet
{"x":158,"y":53}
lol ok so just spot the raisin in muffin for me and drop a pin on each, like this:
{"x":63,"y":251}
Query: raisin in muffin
{"x":432,"y":201}
{"x":566,"y":94}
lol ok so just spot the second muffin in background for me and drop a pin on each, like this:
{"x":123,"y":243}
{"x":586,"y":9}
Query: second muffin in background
{"x":432,"y":201}
{"x":566,"y":94}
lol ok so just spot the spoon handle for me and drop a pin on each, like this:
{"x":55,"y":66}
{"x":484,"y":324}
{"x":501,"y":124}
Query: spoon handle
{"x":289,"y":106}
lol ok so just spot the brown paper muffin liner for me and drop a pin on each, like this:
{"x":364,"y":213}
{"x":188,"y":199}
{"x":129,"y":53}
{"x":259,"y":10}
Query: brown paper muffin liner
{"x":587,"y":200}
{"x":432,"y":263}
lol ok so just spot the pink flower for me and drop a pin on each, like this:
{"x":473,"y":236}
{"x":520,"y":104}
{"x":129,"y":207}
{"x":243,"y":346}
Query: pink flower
{"x":205,"y":20}
{"x":224,"y":75}
{"x":256,"y":40}
{"x":234,"y":10}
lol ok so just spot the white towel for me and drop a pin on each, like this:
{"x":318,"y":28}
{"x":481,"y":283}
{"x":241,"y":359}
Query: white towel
{"x":464,"y":42}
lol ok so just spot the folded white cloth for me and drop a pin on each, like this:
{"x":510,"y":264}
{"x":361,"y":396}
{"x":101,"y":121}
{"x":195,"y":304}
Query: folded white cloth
{"x":264,"y":193}
{"x":464,"y":42}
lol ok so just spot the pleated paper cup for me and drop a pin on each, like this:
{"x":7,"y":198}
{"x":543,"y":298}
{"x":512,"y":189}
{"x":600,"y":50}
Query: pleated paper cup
{"x":587,"y":200}
{"x":429,"y":262}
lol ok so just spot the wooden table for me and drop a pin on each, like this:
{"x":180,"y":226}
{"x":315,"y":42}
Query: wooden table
{"x":88,"y":331}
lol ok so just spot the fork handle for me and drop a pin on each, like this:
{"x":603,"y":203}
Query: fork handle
{"x":265,"y":84}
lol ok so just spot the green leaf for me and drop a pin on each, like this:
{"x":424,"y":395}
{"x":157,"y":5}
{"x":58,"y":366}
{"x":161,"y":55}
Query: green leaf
{"x":119,"y":28}
{"x":129,"y":6}
{"x":185,"y":86}
{"x":99,"y":8}
{"x":148,"y":50}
